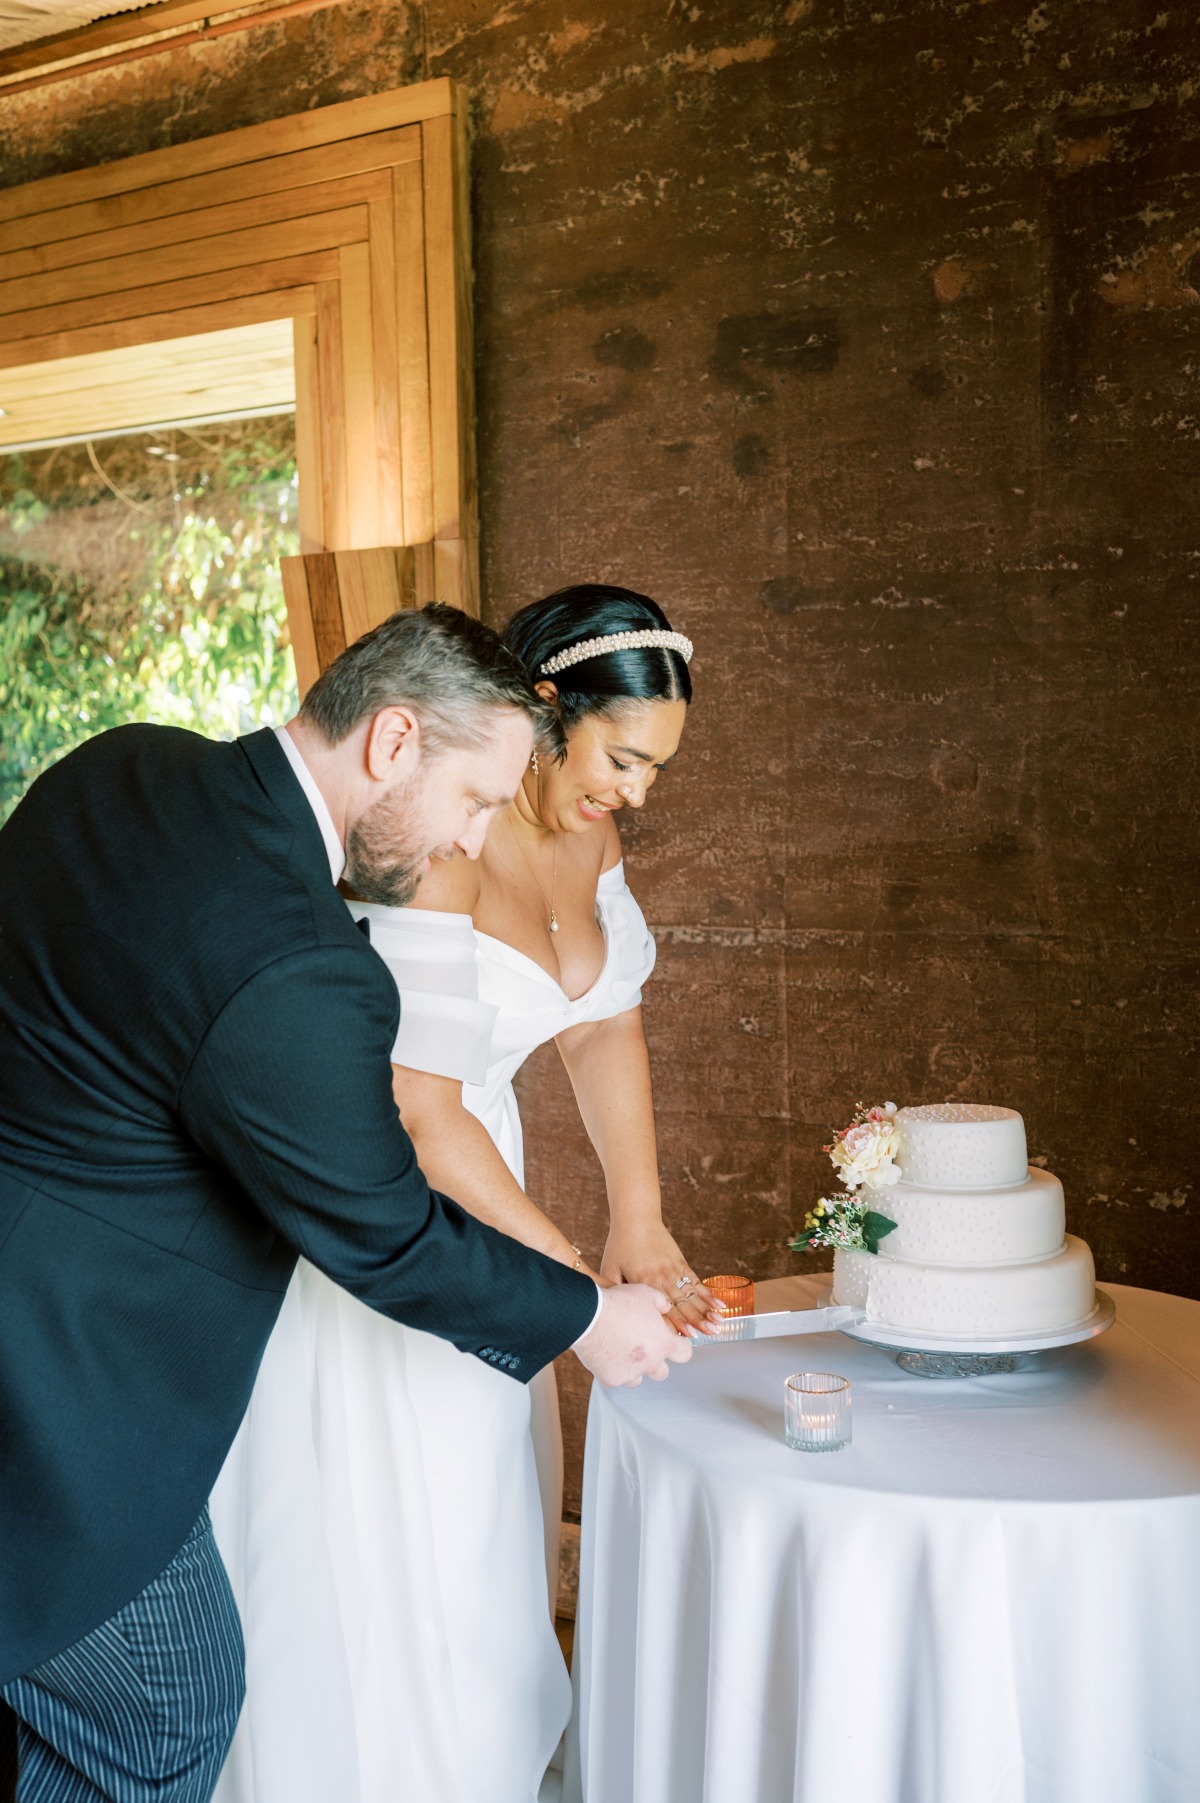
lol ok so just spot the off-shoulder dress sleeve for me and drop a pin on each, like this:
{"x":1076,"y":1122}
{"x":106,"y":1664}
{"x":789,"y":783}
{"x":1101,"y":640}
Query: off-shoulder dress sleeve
{"x":444,"y":1027}
{"x":631,"y":947}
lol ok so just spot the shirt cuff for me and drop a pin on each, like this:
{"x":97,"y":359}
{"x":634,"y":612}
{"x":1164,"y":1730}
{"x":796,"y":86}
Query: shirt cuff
{"x":587,"y":1330}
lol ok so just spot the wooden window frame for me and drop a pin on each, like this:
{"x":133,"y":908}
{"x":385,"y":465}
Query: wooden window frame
{"x":352,"y":221}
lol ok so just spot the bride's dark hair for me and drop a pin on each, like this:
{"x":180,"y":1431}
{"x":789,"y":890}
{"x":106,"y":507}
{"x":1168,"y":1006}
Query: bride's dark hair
{"x":603,"y":684}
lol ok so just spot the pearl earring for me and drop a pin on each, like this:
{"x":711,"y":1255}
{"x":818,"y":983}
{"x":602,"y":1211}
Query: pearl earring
{"x":534,"y":761}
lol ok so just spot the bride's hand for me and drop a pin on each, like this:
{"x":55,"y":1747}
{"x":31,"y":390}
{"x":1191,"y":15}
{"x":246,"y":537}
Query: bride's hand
{"x":648,"y":1254}
{"x":574,"y":1260}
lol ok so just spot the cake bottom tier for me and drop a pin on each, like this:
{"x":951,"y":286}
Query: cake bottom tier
{"x":970,"y":1301}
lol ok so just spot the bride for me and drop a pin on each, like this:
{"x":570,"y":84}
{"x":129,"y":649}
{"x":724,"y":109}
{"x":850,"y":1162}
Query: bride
{"x":389,"y":1512}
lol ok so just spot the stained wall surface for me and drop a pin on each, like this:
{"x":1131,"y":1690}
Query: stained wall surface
{"x":866,"y":340}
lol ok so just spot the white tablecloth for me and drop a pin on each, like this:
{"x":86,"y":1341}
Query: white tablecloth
{"x":993,"y":1596}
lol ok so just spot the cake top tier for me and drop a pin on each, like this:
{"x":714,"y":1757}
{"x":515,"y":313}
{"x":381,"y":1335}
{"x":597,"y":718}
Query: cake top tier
{"x":962,"y":1145}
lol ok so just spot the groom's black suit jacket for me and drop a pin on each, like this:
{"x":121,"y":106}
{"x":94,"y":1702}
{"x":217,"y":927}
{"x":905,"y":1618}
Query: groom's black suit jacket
{"x":194,"y":1088}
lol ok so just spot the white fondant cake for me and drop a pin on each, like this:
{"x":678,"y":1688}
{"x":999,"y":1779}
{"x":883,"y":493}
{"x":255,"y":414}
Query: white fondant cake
{"x":962,"y":1145}
{"x":978,"y":1250}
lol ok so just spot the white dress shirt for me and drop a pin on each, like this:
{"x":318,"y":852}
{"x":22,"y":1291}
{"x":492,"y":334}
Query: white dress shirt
{"x":333,"y":846}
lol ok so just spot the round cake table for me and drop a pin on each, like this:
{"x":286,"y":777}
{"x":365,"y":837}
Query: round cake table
{"x":992,"y":1596}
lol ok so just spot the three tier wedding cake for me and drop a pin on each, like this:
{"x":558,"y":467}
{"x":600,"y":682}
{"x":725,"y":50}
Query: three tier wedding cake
{"x":959,"y":1238}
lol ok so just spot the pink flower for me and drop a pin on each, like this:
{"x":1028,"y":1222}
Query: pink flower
{"x":864,"y":1153}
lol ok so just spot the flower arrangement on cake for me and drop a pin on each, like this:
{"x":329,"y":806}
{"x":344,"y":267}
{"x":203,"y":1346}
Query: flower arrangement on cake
{"x":863,"y":1155}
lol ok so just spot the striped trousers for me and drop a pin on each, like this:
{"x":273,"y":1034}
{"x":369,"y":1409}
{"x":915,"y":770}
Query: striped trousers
{"x":141,"y":1710}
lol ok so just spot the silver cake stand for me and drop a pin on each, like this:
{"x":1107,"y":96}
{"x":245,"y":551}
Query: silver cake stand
{"x":948,"y":1355}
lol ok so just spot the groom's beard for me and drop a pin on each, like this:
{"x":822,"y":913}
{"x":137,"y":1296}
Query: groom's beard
{"x":386,"y":848}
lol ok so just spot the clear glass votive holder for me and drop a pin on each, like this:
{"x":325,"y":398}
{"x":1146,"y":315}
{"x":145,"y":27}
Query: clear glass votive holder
{"x":816,"y":1411}
{"x":737,"y":1293}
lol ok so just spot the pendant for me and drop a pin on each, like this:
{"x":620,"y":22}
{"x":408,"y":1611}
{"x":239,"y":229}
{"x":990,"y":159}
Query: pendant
{"x":553,"y":921}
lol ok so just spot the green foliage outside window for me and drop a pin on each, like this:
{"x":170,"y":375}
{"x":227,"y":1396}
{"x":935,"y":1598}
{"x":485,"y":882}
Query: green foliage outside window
{"x":139,"y":580}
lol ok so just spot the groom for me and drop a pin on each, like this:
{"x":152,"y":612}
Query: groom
{"x":194,"y":1089}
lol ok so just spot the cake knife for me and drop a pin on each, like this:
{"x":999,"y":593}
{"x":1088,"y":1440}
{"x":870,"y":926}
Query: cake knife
{"x":782,"y":1323}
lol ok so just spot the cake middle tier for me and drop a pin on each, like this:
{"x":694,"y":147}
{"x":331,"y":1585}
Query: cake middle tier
{"x":970,"y":1301}
{"x":974,"y":1227}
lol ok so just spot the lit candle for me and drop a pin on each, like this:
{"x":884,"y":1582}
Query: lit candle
{"x":816,"y":1407}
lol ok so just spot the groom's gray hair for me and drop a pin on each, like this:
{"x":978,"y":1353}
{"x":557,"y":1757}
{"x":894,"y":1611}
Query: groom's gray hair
{"x":448,"y":668}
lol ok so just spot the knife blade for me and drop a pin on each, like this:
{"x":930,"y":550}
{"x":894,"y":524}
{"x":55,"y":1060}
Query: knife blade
{"x":782,"y":1323}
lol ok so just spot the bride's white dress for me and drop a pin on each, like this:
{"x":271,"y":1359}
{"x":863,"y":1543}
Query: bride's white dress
{"x":389,"y":1511}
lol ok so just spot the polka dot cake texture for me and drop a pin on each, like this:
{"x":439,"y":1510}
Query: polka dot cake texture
{"x":979,"y":1248}
{"x":962,"y":1145}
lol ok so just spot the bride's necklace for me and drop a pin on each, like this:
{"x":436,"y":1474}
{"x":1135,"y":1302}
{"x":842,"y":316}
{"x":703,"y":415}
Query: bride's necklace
{"x":548,"y":899}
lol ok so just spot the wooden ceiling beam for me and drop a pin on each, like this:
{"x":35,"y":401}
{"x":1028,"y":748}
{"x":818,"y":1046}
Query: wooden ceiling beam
{"x":159,"y":26}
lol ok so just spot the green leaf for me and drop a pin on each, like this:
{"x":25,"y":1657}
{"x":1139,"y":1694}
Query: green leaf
{"x":875,"y":1227}
{"x":119,"y":629}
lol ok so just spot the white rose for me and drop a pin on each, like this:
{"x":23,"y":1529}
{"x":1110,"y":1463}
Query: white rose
{"x":864,"y":1154}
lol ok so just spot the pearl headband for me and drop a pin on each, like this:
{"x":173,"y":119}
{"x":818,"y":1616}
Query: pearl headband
{"x":655,"y":639}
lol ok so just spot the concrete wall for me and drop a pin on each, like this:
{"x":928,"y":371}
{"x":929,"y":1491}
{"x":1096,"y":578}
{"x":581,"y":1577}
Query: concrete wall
{"x":866,"y":340}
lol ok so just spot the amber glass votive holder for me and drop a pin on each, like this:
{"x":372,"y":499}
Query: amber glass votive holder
{"x":737,"y":1293}
{"x":816,"y":1411}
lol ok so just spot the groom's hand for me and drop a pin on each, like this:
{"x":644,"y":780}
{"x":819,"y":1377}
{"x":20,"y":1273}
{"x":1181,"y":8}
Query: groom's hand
{"x":632,"y":1339}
